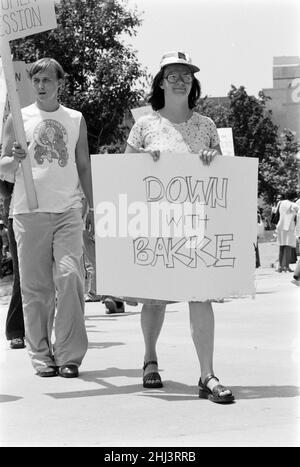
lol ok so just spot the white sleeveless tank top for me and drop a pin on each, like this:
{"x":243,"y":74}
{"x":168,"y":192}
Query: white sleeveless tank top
{"x":52,"y":139}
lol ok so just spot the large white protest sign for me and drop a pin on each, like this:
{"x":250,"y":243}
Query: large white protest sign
{"x":21,"y":18}
{"x":175,"y":229}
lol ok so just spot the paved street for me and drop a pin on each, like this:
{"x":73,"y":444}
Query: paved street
{"x":256,"y":354}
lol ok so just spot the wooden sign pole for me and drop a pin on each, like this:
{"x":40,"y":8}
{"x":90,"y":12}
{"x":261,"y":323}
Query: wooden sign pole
{"x":18,"y":121}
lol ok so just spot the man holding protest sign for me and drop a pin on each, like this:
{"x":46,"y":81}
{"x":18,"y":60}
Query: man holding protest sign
{"x":175,"y":127}
{"x":49,"y":238}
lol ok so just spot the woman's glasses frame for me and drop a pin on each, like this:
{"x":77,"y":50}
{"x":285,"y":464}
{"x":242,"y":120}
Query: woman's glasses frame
{"x":173,"y":78}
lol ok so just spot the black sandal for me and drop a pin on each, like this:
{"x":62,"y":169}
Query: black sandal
{"x":154,"y":377}
{"x":215,"y":394}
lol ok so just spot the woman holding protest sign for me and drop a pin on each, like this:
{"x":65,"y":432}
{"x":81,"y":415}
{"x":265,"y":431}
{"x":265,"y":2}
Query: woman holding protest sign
{"x":174,"y":126}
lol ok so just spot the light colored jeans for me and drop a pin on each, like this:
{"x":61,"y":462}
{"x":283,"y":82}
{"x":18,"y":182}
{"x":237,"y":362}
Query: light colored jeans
{"x":50,"y":263}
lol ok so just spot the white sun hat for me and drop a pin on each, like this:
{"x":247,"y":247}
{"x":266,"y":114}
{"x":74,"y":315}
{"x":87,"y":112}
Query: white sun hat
{"x":182,"y":58}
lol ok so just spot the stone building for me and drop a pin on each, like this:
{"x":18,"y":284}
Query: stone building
{"x":285,"y":94}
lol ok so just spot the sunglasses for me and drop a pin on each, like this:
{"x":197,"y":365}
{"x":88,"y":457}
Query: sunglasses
{"x":174,"y":77}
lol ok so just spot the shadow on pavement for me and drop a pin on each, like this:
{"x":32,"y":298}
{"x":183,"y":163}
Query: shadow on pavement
{"x":8,"y":398}
{"x":104,"y":345}
{"x":266,"y":292}
{"x":172,"y":390}
{"x":265,"y":392}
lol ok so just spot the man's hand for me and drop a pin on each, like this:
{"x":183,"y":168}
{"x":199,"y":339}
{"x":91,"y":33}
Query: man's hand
{"x":18,"y":153}
{"x":90,"y":224}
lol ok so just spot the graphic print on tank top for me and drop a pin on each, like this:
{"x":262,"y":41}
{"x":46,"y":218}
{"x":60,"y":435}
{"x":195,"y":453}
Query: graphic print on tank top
{"x":50,"y":139}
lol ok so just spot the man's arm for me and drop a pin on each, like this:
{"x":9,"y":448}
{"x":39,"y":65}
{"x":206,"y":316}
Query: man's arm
{"x":83,"y":163}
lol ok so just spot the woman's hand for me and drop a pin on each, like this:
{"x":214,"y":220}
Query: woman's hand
{"x":154,"y":154}
{"x":18,"y":153}
{"x":207,"y":155}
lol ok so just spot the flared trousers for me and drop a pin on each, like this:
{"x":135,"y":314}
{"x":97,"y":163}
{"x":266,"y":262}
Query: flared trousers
{"x":52,"y":286}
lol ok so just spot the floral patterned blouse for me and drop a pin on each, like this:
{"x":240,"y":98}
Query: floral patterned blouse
{"x":154,"y":132}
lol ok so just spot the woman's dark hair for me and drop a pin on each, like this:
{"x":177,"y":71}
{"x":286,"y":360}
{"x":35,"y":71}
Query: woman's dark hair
{"x":290,"y":195}
{"x":157,"y":96}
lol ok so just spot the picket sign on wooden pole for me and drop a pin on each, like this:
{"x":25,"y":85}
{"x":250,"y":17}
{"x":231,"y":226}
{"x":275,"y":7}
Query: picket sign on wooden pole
{"x":21,"y":19}
{"x":20,"y":135}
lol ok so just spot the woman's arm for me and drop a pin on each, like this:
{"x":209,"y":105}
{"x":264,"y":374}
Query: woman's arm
{"x":218,"y":148}
{"x":130,"y":149}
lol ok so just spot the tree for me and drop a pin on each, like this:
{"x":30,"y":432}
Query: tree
{"x":102,"y":72}
{"x":253,"y":129}
{"x":255,"y":135}
{"x":217,"y":112}
{"x":279,"y":171}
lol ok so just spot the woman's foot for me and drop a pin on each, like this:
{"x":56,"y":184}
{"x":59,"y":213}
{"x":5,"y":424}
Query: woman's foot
{"x":151,"y":377}
{"x":212,"y":389}
{"x":214,"y":382}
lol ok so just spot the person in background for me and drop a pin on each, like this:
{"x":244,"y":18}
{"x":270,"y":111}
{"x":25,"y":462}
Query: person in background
{"x":297,"y":201}
{"x":1,"y":257}
{"x":49,"y":238}
{"x":91,"y":294}
{"x":260,"y":233}
{"x":89,"y":258}
{"x":14,"y":328}
{"x":276,"y":204}
{"x":173,"y":126}
{"x":112,"y":305}
{"x":4,"y":237}
{"x":286,"y":231}
{"x":296,"y":275}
